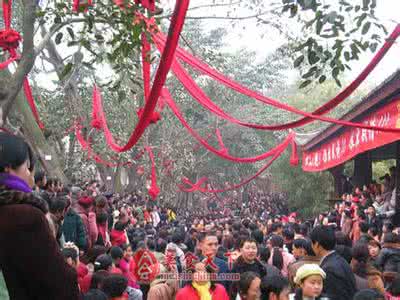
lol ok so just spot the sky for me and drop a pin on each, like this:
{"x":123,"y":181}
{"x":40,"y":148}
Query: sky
{"x":250,"y":36}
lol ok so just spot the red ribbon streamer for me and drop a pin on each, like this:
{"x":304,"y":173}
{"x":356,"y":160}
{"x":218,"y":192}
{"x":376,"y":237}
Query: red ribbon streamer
{"x":222,"y":147}
{"x":154,"y":189}
{"x":91,"y":154}
{"x":205,"y":69}
{"x":223,"y":154}
{"x":197,"y":186}
{"x":76,"y":6}
{"x":31,"y":101}
{"x":199,"y":95}
{"x":7,"y":5}
{"x":175,"y":29}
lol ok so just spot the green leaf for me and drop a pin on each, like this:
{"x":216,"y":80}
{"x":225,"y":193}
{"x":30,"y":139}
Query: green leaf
{"x":366,"y":4}
{"x":58,"y":38}
{"x":335,"y":72}
{"x":322,"y":79}
{"x":312,"y":57}
{"x":347,"y":55}
{"x":66,"y":71}
{"x":373,"y":47}
{"x":319,"y":26}
{"x":304,"y":84}
{"x":121,"y":95}
{"x":293,"y":11}
{"x":357,"y":8}
{"x":365,"y":28}
{"x":71,"y":32}
{"x":298,"y":61}
{"x":57,"y":20}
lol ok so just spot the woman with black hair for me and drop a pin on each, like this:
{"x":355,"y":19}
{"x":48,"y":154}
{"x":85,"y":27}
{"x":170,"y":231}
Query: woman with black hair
{"x":202,"y":286}
{"x":41,"y":272}
{"x":275,"y":288}
{"x":279,"y":258}
{"x":248,"y":287}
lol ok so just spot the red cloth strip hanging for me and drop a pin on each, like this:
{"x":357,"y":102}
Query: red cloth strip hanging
{"x":9,"y":41}
{"x":96,"y":122}
{"x":146,"y":66}
{"x":31,"y":102}
{"x":77,"y":5}
{"x":170,"y":102}
{"x":91,"y":154}
{"x":222,"y":147}
{"x":175,"y":29}
{"x":196,"y":186}
{"x":154,"y":189}
{"x":7,"y":6}
{"x":148,"y":4}
{"x":9,"y":38}
{"x":199,"y":95}
{"x":205,"y":69}
{"x":294,"y":157}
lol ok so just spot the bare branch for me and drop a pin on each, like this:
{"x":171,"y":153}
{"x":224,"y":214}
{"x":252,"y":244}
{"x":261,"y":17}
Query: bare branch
{"x":214,"y":5}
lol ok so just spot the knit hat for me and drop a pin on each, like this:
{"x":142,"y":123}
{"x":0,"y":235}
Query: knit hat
{"x":307,"y":270}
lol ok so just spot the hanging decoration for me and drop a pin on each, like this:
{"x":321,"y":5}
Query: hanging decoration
{"x":9,"y":42}
{"x":188,"y":186}
{"x":205,"y":69}
{"x":154,"y":190}
{"x":159,"y":80}
{"x":81,"y":5}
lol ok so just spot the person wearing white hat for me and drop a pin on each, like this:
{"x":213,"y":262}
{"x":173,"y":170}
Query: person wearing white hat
{"x":310,"y":280}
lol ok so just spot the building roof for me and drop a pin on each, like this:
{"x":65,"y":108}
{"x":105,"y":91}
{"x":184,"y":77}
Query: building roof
{"x":381,"y":95}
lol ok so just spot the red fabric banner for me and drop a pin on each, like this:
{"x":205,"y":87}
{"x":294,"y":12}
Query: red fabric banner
{"x":31,"y":102}
{"x":354,"y":141}
{"x":175,"y":29}
{"x":198,"y":94}
{"x":191,"y":187}
{"x":309,"y":117}
{"x":91,"y":154}
{"x":221,"y":153}
{"x":154,"y":189}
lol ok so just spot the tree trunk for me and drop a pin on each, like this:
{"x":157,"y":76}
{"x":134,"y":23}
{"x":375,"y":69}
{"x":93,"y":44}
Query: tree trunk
{"x":35,"y":137}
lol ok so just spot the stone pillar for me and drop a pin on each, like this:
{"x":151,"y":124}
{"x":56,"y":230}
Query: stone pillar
{"x":362,"y":169}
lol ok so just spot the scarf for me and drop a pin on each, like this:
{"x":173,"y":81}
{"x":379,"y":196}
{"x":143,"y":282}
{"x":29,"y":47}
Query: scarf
{"x":203,"y":290}
{"x":14,"y":183}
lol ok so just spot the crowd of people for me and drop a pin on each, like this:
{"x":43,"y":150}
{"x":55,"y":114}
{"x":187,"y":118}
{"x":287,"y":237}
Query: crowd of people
{"x":78,"y":242}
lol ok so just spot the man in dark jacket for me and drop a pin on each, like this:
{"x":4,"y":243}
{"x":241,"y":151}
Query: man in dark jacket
{"x":340,"y":283}
{"x":208,"y":243}
{"x":74,"y":230}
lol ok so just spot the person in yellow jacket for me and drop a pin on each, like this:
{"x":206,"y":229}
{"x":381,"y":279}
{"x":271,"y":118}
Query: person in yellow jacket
{"x":171,"y":215}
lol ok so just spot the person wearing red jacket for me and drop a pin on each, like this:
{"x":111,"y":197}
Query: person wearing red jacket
{"x":202,"y":286}
{"x":118,"y":235}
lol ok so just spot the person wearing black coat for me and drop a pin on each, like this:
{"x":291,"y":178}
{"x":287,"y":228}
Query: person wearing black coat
{"x":340,"y":283}
{"x":388,"y":259}
{"x":30,"y":258}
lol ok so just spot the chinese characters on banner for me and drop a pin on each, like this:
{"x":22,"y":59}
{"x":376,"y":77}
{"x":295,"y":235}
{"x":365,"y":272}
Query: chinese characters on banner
{"x":353,"y":141}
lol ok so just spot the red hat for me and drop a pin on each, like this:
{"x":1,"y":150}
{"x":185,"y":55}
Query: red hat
{"x":356,"y":200}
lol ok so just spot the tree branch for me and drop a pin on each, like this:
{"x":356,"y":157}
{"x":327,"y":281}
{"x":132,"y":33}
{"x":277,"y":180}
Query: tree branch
{"x":214,"y":5}
{"x":27,"y":58}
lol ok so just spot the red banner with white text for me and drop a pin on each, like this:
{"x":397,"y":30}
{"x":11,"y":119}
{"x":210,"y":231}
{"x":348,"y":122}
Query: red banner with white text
{"x":354,"y":141}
